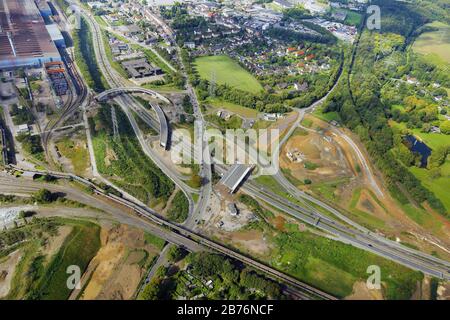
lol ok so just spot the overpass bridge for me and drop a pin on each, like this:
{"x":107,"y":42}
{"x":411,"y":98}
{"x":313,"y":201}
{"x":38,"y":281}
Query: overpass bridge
{"x":163,"y":123}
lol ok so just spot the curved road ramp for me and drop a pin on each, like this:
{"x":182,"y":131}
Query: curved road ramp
{"x":164,"y":125}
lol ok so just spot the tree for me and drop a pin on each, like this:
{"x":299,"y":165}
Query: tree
{"x":445,"y":127}
{"x":175,"y":253}
{"x":196,"y":181}
{"x":43,"y":196}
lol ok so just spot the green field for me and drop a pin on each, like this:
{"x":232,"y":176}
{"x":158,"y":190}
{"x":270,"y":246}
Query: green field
{"x":329,"y":116}
{"x":435,"y":44}
{"x":78,"y":249}
{"x":439,"y":186}
{"x":77,"y":154}
{"x":40,"y":276}
{"x":433,"y":140}
{"x":227,"y":71}
{"x":353,"y":18}
{"x":234,"y":108}
{"x":334,"y":267}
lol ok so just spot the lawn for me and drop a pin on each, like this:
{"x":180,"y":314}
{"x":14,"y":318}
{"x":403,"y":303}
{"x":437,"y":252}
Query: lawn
{"x":227,"y":71}
{"x":154,"y":241}
{"x":439,"y":186}
{"x":233,"y":123}
{"x":329,"y":116}
{"x":353,"y":18}
{"x":435,"y":44}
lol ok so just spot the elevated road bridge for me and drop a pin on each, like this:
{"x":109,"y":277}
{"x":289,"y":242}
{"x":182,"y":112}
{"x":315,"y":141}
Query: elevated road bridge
{"x":164,"y":140}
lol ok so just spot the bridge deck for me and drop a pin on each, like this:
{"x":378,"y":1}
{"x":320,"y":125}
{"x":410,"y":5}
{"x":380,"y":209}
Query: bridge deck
{"x":163,"y":123}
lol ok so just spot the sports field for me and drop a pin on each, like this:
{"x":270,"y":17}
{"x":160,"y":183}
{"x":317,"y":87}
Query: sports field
{"x":227,"y":71}
{"x":436,"y":44}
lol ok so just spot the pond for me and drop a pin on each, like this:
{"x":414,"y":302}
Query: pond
{"x":419,"y":147}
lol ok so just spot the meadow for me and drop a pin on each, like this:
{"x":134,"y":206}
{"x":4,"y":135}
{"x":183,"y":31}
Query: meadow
{"x":435,"y":44}
{"x":227,"y":71}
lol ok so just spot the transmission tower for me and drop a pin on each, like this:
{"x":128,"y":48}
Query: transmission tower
{"x":212,"y":84}
{"x":115,"y":124}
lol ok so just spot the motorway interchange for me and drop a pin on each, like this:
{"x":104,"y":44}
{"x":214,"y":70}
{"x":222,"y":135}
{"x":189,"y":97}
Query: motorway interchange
{"x":304,"y":208}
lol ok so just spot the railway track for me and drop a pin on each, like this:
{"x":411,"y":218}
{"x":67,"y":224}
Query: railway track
{"x":70,"y":106}
{"x":306,"y":291}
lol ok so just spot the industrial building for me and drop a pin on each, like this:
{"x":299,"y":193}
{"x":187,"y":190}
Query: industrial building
{"x":56,"y":73}
{"x":24,"y":39}
{"x":140,"y":68}
{"x":56,"y":35}
{"x":44,"y":8}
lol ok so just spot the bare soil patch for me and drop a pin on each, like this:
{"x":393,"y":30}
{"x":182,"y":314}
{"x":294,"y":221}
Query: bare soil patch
{"x":116,"y":270}
{"x":7,"y":269}
{"x":361,"y":292}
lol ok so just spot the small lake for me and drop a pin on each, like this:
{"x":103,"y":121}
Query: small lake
{"x":419,"y":147}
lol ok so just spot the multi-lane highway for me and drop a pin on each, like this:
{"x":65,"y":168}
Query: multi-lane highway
{"x":339,"y":227}
{"x":128,"y":104}
{"x":353,"y":234}
{"x":170,"y":231}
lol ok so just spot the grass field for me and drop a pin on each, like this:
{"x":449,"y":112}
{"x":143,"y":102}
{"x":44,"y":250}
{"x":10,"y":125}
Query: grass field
{"x":334,"y":267}
{"x":234,"y":108}
{"x":233,"y":123}
{"x":154,"y":240}
{"x":228,"y":72}
{"x":78,"y":249}
{"x":438,"y":186}
{"x":435,"y":44}
{"x":36,"y":276}
{"x":329,"y":116}
{"x":353,"y":18}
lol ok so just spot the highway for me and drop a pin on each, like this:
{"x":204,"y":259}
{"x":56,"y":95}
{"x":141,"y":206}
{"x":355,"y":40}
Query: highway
{"x":361,"y":237}
{"x":164,"y":125}
{"x":203,"y":153}
{"x":172,"y":232}
{"x":366,"y":241}
{"x":127,"y":103}
{"x":352,"y":234}
{"x":13,"y":185}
